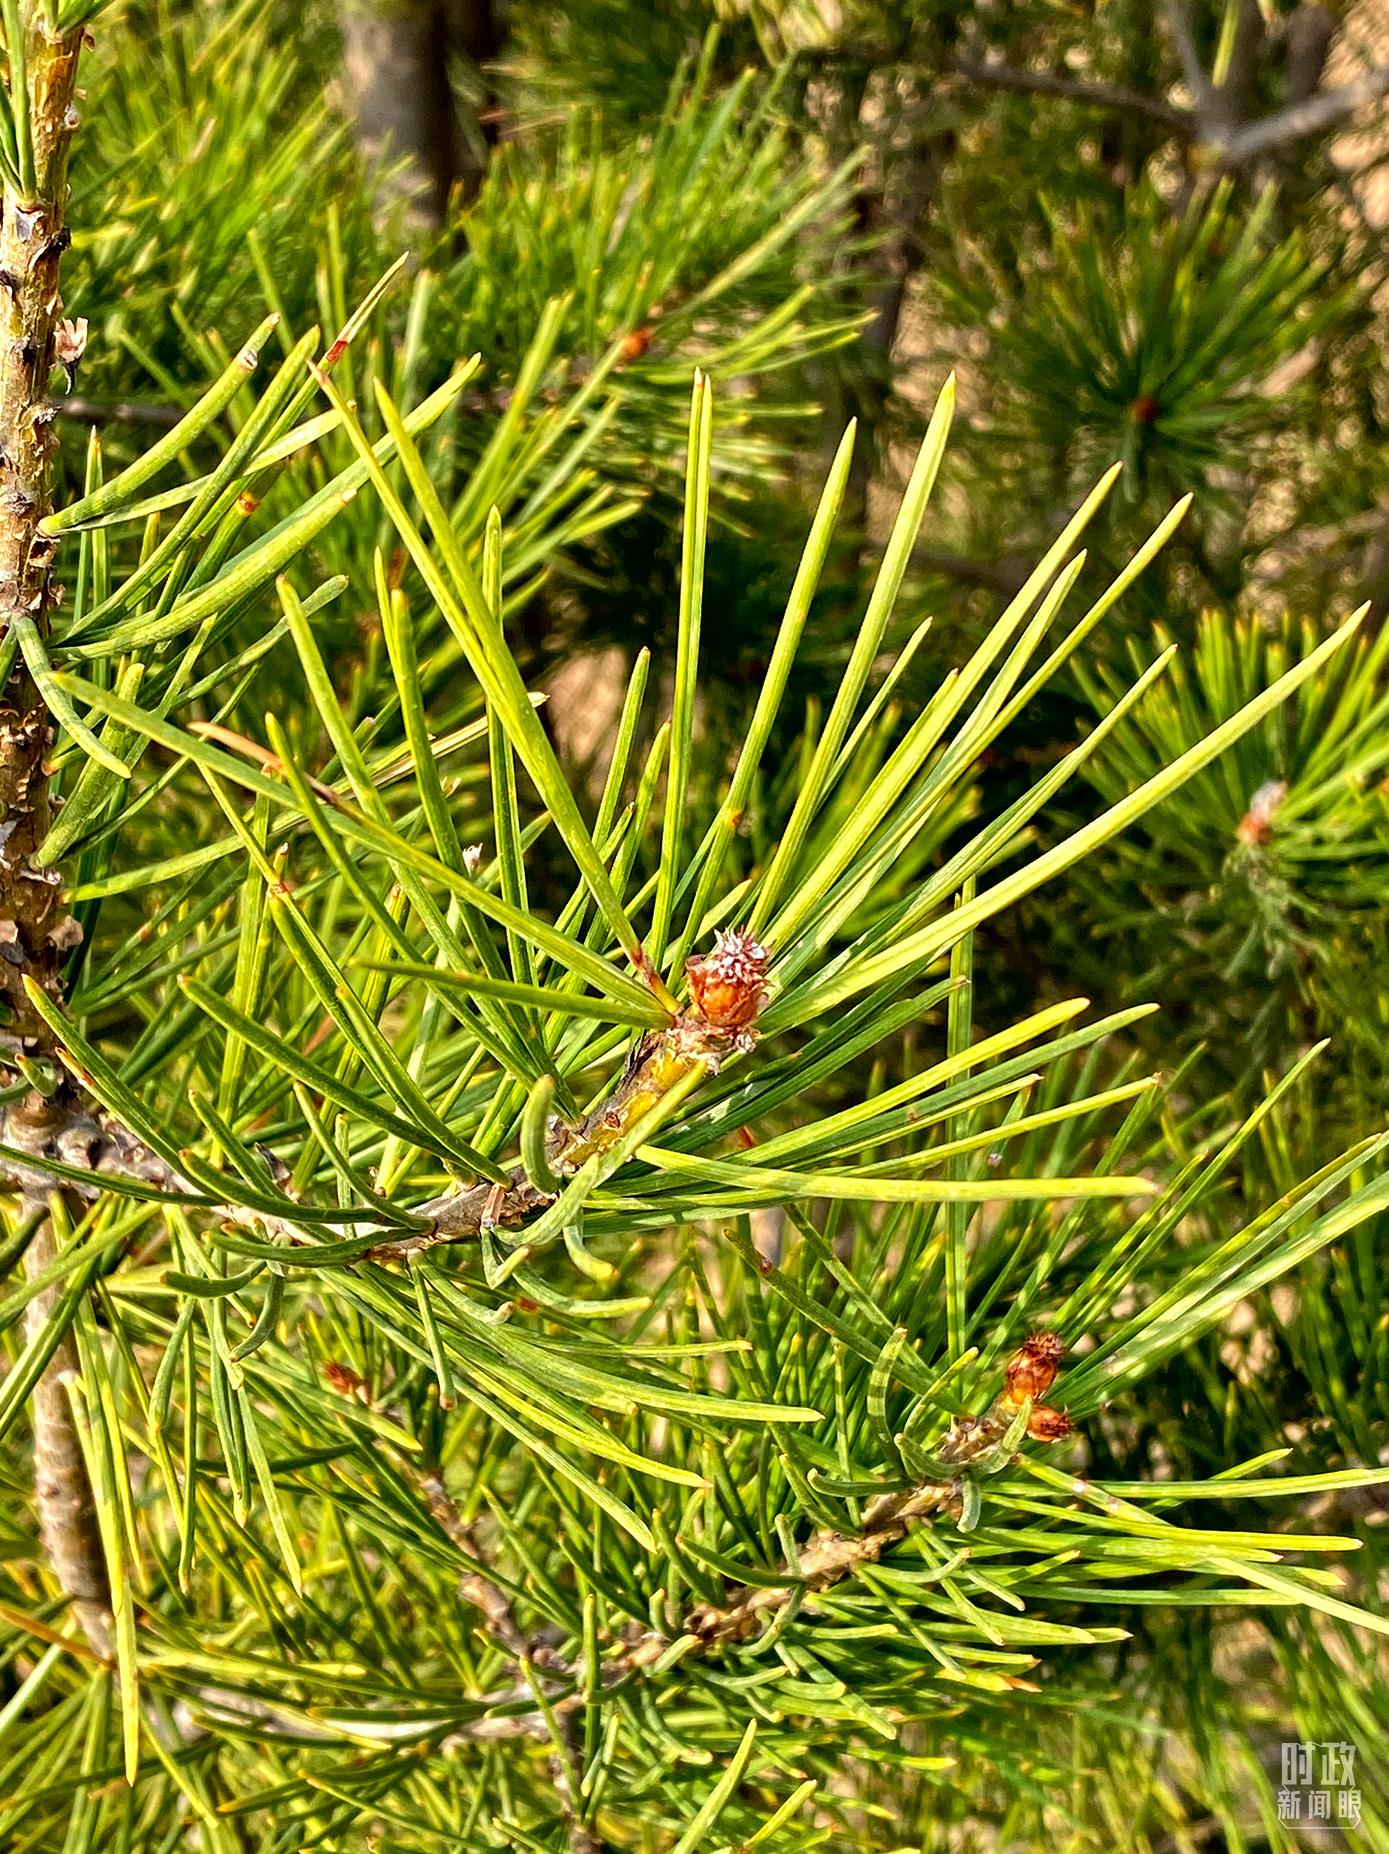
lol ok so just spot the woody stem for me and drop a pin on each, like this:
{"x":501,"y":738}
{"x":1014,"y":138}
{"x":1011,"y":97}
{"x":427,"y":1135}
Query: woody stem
{"x":33,"y":235}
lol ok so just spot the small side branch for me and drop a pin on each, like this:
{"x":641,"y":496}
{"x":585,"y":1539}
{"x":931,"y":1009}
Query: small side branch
{"x":1323,"y":110}
{"x":62,"y":1491}
{"x":476,"y":1586}
{"x":1184,"y":39}
{"x":826,"y":1560}
{"x":728,"y":996}
{"x":534,"y":1659}
{"x":119,"y":412}
{"x":995,"y":74}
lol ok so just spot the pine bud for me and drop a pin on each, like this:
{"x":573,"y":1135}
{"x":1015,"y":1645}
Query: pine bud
{"x":1256,"y":826}
{"x":1048,"y":1425}
{"x":1032,"y":1370}
{"x":727,"y":984}
{"x":69,"y":345}
{"x":345,"y":1381}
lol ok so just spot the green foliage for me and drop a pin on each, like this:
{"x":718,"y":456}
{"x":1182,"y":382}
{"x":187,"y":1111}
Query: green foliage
{"x":635,"y":1421}
{"x":210,"y":116}
{"x":1262,"y":889}
{"x":1153,"y":337}
{"x":568,"y":234}
{"x":591,"y":274}
{"x":1066,"y":219}
{"x":683,"y":233}
{"x":480,"y":1349}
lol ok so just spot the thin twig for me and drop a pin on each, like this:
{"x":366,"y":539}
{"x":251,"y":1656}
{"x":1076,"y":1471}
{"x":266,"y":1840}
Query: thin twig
{"x":826,"y":1559}
{"x":475,"y":1586}
{"x":998,"y":75}
{"x":1005,"y":576}
{"x":1320,"y":111}
{"x":62,"y":1490}
{"x":119,"y":412}
{"x":567,"y":1777}
{"x":1184,"y":38}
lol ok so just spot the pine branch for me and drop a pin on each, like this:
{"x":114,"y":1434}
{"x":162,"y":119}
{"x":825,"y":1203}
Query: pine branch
{"x":1230,"y":145}
{"x":832,"y":1556}
{"x":564,"y":1774}
{"x":1234,"y":146}
{"x":68,"y":1133}
{"x":33,"y":237}
{"x":62,"y":1489}
{"x":997,"y":74}
{"x":486,"y":1594}
{"x":1320,"y":111}
{"x":35,"y":928}
{"x":119,"y":412}
{"x":828,"y":1558}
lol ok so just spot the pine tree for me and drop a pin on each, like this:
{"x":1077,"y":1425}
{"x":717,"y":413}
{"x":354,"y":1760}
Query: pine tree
{"x":536,"y":1317}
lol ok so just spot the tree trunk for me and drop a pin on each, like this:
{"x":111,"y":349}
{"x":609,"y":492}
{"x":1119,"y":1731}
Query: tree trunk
{"x":398,"y":62}
{"x":895,"y":214}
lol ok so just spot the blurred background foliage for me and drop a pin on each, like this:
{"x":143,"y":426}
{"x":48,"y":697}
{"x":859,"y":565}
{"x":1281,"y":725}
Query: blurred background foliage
{"x":1135,"y":231}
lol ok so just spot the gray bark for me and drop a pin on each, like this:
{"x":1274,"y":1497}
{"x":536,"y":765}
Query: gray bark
{"x":400,"y":58}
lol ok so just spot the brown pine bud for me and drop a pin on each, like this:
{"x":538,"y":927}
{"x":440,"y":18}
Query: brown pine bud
{"x":1032,"y":1370}
{"x":1256,"y":826}
{"x":636,"y":344}
{"x":344,"y":1380}
{"x":69,"y":345}
{"x":1048,"y":1425}
{"x":727,"y":983}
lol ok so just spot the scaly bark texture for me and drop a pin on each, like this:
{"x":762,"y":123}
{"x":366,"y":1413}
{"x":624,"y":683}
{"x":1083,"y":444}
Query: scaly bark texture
{"x":33,"y":236}
{"x":34,"y":931}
